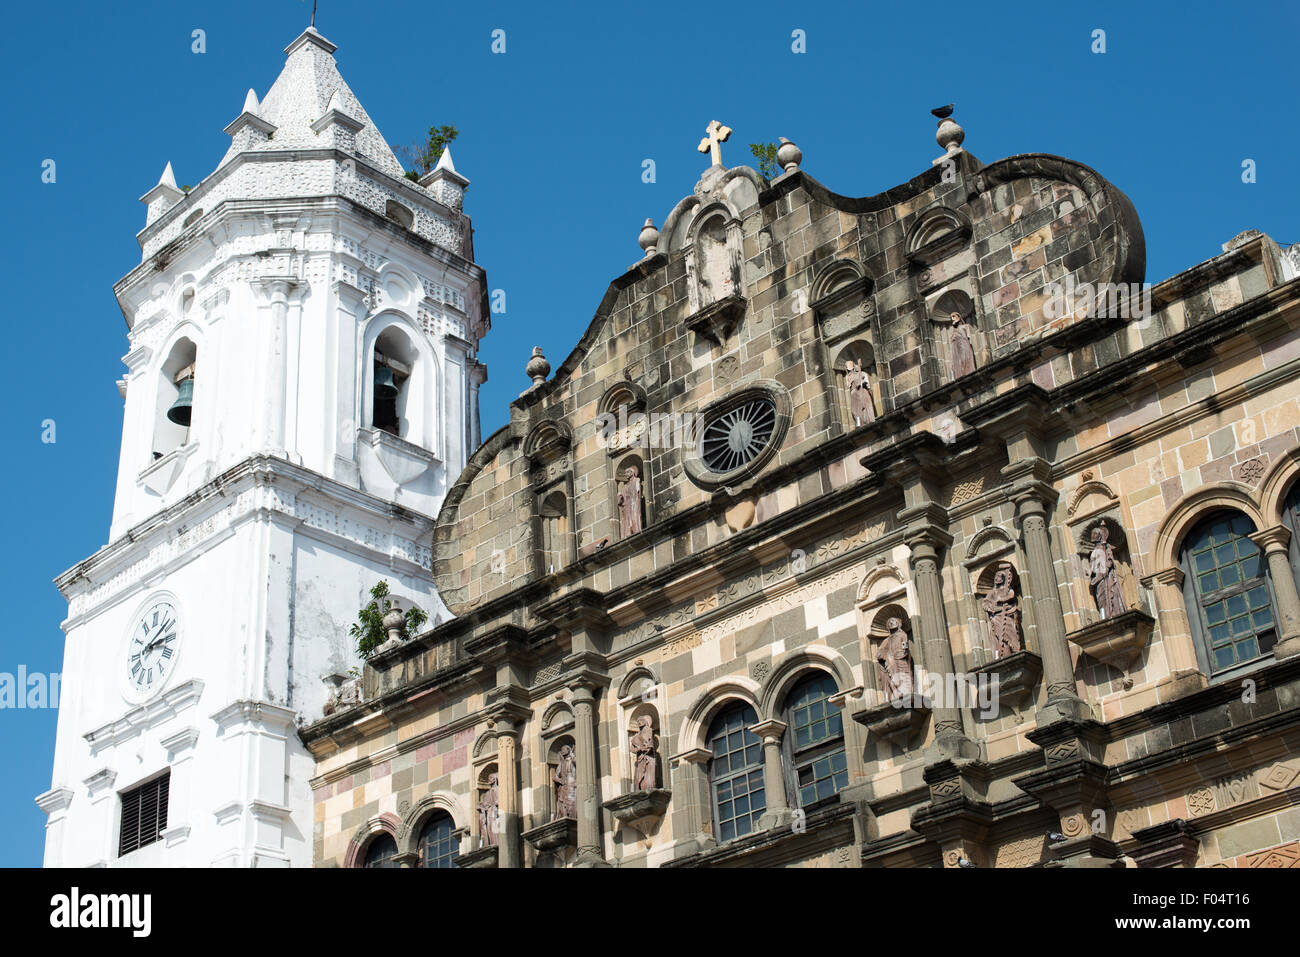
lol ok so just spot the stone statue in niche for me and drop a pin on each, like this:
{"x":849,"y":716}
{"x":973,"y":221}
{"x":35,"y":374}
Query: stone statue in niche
{"x":488,"y":815}
{"x":631,"y":504}
{"x":1103,"y":575}
{"x":894,"y":659}
{"x":1002,"y":605}
{"x":566,"y":784}
{"x":858,"y":383}
{"x":961,"y":354}
{"x":642,"y":745}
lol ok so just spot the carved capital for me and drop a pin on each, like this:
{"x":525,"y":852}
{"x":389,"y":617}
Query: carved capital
{"x":1273,"y":539}
{"x":771,"y":731}
{"x":1166,"y":576}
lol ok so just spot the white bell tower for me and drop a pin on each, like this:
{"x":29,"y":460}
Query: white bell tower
{"x":301,"y":389}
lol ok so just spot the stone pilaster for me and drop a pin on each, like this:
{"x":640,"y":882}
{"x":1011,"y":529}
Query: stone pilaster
{"x":1274,"y":542}
{"x":778,"y":811}
{"x":1175,"y":633}
{"x":508,"y":793}
{"x":692,"y":800}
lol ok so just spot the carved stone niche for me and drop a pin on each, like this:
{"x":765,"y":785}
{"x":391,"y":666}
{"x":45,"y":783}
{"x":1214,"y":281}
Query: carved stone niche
{"x":841,"y":300}
{"x":894,"y":717}
{"x":937,"y":234}
{"x":713,"y":254}
{"x":1114,"y":638}
{"x":639,"y":695}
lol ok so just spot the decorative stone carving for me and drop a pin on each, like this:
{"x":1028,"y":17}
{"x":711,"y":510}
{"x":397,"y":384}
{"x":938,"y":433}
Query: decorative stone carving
{"x":566,"y":785}
{"x":1103,"y":575}
{"x":894,"y":660}
{"x":1002,"y":605}
{"x":489,"y":816}
{"x":961,"y":354}
{"x":631,"y":504}
{"x":645,"y":763}
{"x":859,"y":385}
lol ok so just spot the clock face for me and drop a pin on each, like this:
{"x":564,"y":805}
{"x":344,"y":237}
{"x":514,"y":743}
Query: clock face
{"x":151,"y":650}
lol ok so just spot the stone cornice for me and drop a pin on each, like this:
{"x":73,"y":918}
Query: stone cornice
{"x":267,"y":484}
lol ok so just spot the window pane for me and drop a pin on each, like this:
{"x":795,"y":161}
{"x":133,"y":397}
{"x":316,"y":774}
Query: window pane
{"x":735,"y":772}
{"x":1222,"y":556}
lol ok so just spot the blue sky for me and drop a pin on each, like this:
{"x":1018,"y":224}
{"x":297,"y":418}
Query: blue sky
{"x":553,"y":135}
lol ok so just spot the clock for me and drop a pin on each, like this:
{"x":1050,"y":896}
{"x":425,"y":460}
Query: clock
{"x":152,"y":646}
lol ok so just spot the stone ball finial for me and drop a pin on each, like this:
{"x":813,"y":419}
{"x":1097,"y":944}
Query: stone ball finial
{"x":395,"y":624}
{"x":788,"y":156}
{"x":949,"y":136}
{"x":649,"y":238}
{"x":538,"y":368}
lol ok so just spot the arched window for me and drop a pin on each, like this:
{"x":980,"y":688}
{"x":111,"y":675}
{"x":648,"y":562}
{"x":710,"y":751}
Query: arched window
{"x":1227,"y":590}
{"x":380,"y":852}
{"x":438,"y":841}
{"x":815,"y":741}
{"x":735,"y":772}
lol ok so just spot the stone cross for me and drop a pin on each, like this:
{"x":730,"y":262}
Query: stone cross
{"x":717,"y":135}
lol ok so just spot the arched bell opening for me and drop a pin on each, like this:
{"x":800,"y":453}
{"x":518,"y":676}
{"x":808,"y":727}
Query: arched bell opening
{"x":174,"y":408}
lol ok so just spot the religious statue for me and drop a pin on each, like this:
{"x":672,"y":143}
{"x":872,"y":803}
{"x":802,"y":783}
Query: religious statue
{"x":630,"y":503}
{"x":1002,"y":605}
{"x":566,"y":785}
{"x":894,"y":658}
{"x":961,"y":354}
{"x":488,"y":815}
{"x":642,"y":745}
{"x":1103,"y":575}
{"x":859,"y":386}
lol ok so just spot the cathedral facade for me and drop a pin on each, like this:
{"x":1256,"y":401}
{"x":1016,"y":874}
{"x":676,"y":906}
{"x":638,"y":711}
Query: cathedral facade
{"x":301,"y":390}
{"x":906,"y":530}
{"x":913,"y":529}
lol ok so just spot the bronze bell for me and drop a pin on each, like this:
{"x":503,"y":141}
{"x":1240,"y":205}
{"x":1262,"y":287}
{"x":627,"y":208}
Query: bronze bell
{"x":385,"y":384}
{"x":180,"y":409}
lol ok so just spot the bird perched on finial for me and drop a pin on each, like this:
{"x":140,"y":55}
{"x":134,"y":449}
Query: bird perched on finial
{"x":942,"y":112}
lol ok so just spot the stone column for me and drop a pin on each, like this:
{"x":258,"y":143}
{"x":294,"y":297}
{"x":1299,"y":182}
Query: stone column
{"x":1274,"y":542}
{"x":932,"y":624}
{"x":1063,"y":699}
{"x":590,"y":846}
{"x":508,"y":848}
{"x":778,"y":807}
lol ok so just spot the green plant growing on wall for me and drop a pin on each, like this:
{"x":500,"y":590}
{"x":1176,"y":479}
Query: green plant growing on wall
{"x":423,"y":157}
{"x":765,"y":153}
{"x":369,"y":631}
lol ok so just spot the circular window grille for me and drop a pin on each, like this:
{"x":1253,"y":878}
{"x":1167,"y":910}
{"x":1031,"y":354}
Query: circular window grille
{"x":738,"y":436}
